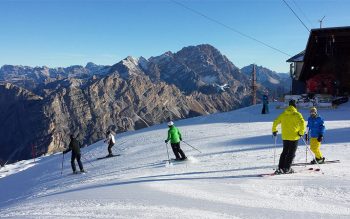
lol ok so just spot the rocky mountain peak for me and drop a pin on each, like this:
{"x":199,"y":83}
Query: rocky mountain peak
{"x":165,"y":57}
{"x":128,"y":67}
{"x":195,"y":68}
{"x":90,"y":65}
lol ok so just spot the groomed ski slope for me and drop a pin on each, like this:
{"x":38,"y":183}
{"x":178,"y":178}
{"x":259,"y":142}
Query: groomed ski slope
{"x":221,"y":182}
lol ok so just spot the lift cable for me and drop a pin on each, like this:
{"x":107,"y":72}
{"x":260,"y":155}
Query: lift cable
{"x":296,"y":15}
{"x":302,"y":12}
{"x":228,"y":27}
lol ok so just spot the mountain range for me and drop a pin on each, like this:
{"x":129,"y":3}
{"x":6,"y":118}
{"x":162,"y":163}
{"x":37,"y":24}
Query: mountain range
{"x":41,"y":106}
{"x":274,"y":83}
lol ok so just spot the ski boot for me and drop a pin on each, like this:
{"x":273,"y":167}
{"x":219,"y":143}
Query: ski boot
{"x":183,"y":158}
{"x":177,"y":159}
{"x":320,"y":160}
{"x":279,"y":171}
{"x":288,"y":171}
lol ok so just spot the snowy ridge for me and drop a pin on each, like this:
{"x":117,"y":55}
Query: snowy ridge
{"x":220,"y":182}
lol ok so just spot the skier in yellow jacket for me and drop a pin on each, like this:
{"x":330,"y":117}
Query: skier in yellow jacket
{"x":293,"y":127}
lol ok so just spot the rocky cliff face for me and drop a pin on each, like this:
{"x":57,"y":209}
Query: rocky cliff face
{"x":132,"y":94}
{"x":23,"y":123}
{"x":196,"y":68}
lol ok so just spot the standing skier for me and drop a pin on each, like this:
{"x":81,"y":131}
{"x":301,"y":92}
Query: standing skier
{"x":174,"y":136}
{"x":265,"y":100}
{"x":74,"y":147}
{"x":316,"y":128}
{"x":110,"y":140}
{"x":293,"y":127}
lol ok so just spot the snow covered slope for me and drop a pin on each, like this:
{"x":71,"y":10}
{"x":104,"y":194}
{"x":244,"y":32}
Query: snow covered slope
{"x":221,"y":182}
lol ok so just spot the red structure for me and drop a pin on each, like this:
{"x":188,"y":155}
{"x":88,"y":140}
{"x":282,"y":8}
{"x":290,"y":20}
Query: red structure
{"x":321,"y":84}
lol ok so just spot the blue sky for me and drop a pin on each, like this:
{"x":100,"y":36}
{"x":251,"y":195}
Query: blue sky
{"x":68,"y":32}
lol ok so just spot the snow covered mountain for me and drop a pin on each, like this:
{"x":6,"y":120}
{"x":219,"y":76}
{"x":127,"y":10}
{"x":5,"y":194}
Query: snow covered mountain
{"x":132,"y":94}
{"x":197,"y":68}
{"x":221,"y":182}
{"x":33,"y":77}
{"x":277,"y":84}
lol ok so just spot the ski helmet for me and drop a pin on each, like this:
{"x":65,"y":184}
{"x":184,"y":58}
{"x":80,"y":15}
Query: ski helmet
{"x":170,"y":123}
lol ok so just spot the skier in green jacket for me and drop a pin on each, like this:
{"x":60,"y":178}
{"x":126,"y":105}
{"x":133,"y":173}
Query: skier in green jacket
{"x":174,"y":136}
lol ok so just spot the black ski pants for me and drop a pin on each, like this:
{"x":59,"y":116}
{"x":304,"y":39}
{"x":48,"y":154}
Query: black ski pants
{"x":76,"y":156}
{"x":110,"y":145}
{"x":177,"y":151}
{"x":288,"y":154}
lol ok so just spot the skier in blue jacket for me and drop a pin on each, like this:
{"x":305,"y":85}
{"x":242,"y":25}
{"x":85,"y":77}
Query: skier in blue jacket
{"x":316,"y":127}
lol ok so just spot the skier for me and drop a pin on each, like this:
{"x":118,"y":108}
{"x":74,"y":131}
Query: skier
{"x":293,"y":127}
{"x":174,"y":136}
{"x":316,"y":130}
{"x":111,"y":141}
{"x":265,"y":109}
{"x":74,"y":147}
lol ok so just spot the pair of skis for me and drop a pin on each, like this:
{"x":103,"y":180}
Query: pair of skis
{"x":302,"y":164}
{"x":325,"y":162}
{"x":311,"y":169}
{"x":172,"y":160}
{"x":108,"y":156}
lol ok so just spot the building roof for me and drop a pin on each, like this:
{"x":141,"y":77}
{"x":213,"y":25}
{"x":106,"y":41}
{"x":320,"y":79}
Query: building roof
{"x":298,"y":57}
{"x":326,"y":50}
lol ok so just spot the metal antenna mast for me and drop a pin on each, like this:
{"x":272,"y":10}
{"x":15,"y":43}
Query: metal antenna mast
{"x":254,"y":86}
{"x":321,"y":21}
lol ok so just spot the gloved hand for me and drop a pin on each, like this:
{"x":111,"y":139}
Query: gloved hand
{"x":166,"y":141}
{"x":320,"y":138}
{"x":64,"y":152}
{"x":306,"y":137}
{"x":274,"y":133}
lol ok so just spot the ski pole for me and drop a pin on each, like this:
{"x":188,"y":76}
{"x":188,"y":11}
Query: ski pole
{"x":87,"y":160}
{"x":62,"y":163}
{"x":312,"y":155}
{"x":307,"y":141}
{"x":166,"y":145}
{"x":192,"y":146}
{"x":306,"y":154}
{"x":122,"y":143}
{"x":274,"y":151}
{"x":3,"y":165}
{"x":7,"y":161}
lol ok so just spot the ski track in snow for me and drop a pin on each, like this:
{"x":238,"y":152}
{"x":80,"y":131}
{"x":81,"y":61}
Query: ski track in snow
{"x":221,"y":182}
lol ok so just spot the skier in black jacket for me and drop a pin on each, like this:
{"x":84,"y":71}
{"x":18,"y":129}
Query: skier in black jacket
{"x":74,"y":147}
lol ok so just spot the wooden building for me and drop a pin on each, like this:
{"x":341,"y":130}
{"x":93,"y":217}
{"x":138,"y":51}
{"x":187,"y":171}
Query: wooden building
{"x":324,"y":66}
